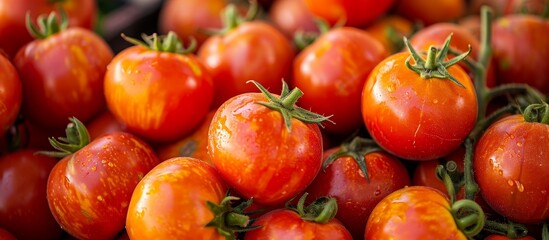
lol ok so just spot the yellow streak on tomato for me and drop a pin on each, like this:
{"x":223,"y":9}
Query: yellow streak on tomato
{"x":192,"y":64}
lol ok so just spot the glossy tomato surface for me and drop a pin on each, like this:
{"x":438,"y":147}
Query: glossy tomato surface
{"x":416,"y":118}
{"x":90,"y":190}
{"x":10,"y":94}
{"x":170,"y":201}
{"x":257,"y":155}
{"x":159,"y":96}
{"x":509,"y":167}
{"x":24,"y":209}
{"x":62,"y":77}
{"x":331,"y":72}
{"x":413,"y":213}
{"x":292,"y":16}
{"x":429,"y":12}
{"x":353,"y":12}
{"x":389,"y":31}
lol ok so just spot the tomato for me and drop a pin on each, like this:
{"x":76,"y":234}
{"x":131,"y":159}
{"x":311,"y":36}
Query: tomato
{"x":5,"y":235}
{"x":292,"y":16}
{"x":429,"y":12}
{"x":160,"y":94}
{"x":285,"y":223}
{"x":89,"y":191}
{"x":501,"y":237}
{"x":436,"y":34}
{"x":508,"y":7}
{"x":102,"y":124}
{"x":472,"y":24}
{"x":508,"y":166}
{"x":331,"y":73}
{"x":10,"y":94}
{"x":81,"y":13}
{"x":357,"y":193}
{"x":415,"y":212}
{"x":418,"y":118}
{"x":194,"y":145}
{"x":389,"y":31}
{"x":62,"y":76}
{"x":259,"y":153}
{"x":353,"y":12}
{"x":24,"y":208}
{"x":251,"y":51}
{"x":188,"y":18}
{"x":170,"y":201}
{"x":520,"y":50}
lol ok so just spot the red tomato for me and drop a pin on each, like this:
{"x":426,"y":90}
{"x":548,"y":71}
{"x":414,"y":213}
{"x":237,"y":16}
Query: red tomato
{"x":353,"y":12}
{"x":258,"y":155}
{"x":194,"y":145}
{"x":413,"y":213}
{"x":389,"y":31}
{"x":5,"y":235}
{"x":188,"y":18}
{"x":102,"y":124}
{"x":158,"y":94}
{"x":521,"y":49}
{"x":89,"y":191}
{"x":357,"y":195}
{"x":252,"y":51}
{"x":429,"y":12}
{"x":10,"y":94}
{"x":24,"y":208}
{"x":62,"y":76}
{"x":508,"y":166}
{"x":416,"y":118}
{"x":331,"y":73}
{"x":170,"y":201}
{"x":291,"y":16}
{"x":507,"y":7}
{"x":81,"y":13}
{"x":500,"y":237}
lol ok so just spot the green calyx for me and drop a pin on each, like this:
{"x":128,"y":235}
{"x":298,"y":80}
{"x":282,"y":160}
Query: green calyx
{"x":285,"y":104}
{"x":77,"y":138}
{"x":538,"y":112}
{"x":229,"y":220}
{"x":164,"y":43}
{"x":47,"y":25}
{"x":469,"y":217}
{"x":231,"y":18}
{"x":452,"y":179}
{"x":303,"y":39}
{"x":357,"y":149}
{"x":322,"y":210}
{"x":435,"y":66}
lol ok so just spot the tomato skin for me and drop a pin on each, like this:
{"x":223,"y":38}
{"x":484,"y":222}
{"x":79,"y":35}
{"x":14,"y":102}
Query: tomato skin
{"x":252,"y":51}
{"x":521,"y":50}
{"x":291,"y":16}
{"x":287,"y":224}
{"x":170,"y":201}
{"x":379,"y":30}
{"x":10,"y":94}
{"x":188,"y":17}
{"x":414,"y":118}
{"x":508,"y":164}
{"x":255,"y":154}
{"x":415,"y":212}
{"x":355,"y":12}
{"x":159,"y":96}
{"x":90,"y":190}
{"x":102,"y":124}
{"x":24,"y":209}
{"x":5,"y":235}
{"x":194,"y":145}
{"x":331,"y":73}
{"x":356,"y":196}
{"x":81,"y":13}
{"x":430,"y":12}
{"x":62,"y":77}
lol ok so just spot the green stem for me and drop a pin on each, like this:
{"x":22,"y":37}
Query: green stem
{"x":484,"y":56}
{"x":237,"y":220}
{"x":511,"y":230}
{"x":289,"y":101}
{"x":430,"y":63}
{"x":545,"y":232}
{"x":442,"y":172}
{"x":537,"y":113}
{"x":322,"y":210}
{"x":469,"y":217}
{"x":471,"y":187}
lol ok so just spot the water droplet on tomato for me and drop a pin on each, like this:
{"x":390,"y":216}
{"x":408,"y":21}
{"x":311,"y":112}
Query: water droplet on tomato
{"x":390,"y":88}
{"x":543,"y":191}
{"x":512,"y":136}
{"x":93,"y":168}
{"x":377,"y":192}
{"x":510,"y":182}
{"x":520,"y":187}
{"x":435,"y":101}
{"x":519,"y":144}
{"x":500,"y":172}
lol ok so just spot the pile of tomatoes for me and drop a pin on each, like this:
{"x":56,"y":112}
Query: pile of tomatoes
{"x":281,"y":119}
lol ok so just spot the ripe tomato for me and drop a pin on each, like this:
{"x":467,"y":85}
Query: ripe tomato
{"x":81,"y":13}
{"x":102,"y":124}
{"x":188,"y":18}
{"x":62,"y":76}
{"x":24,"y":208}
{"x":429,"y":12}
{"x":415,"y":212}
{"x":89,"y":191}
{"x":354,"y":12}
{"x":5,"y":235}
{"x":389,"y":31}
{"x":508,"y":7}
{"x":194,"y":145}
{"x":508,"y":166}
{"x":10,"y":94}
{"x":160,"y":94}
{"x":261,"y":154}
{"x":291,"y":16}
{"x":170,"y":201}
{"x":357,"y":193}
{"x":331,"y":73}
{"x":251,"y":51}
{"x":417,"y":118}
{"x":521,"y":50}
